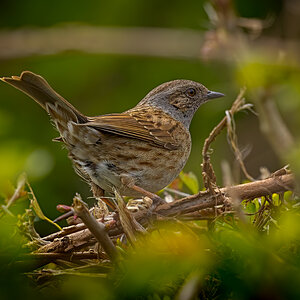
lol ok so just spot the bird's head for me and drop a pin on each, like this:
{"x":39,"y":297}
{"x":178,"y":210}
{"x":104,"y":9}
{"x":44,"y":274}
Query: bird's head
{"x":179,"y":98}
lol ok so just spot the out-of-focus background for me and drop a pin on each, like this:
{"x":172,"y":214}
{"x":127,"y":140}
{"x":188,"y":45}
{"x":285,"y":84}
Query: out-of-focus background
{"x":104,"y":56}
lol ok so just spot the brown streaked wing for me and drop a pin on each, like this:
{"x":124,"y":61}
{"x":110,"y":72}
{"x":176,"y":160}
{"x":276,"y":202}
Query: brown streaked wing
{"x":134,"y":125}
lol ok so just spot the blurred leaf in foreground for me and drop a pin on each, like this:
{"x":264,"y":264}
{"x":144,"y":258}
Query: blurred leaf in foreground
{"x":190,"y":180}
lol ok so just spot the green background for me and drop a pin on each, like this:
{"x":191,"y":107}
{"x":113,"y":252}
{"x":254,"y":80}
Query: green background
{"x":99,"y":84}
{"x":249,"y":262}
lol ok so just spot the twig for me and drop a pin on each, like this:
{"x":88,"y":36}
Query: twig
{"x":263,"y":187}
{"x":209,"y":177}
{"x":128,"y":222}
{"x":161,"y":42}
{"x":196,"y":203}
{"x":157,"y":42}
{"x":259,"y":211}
{"x":273,"y":125}
{"x":179,"y":193}
{"x":238,"y":105}
{"x":65,"y":256}
{"x":16,"y":195}
{"x":208,"y":174}
{"x":95,"y":227}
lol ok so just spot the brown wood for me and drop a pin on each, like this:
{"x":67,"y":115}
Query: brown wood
{"x":63,"y":242}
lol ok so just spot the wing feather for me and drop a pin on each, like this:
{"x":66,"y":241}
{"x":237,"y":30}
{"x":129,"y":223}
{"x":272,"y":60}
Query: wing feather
{"x":138,"y":125}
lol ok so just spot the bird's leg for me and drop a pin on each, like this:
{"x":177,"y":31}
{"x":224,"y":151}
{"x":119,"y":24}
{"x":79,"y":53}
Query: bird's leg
{"x":155,"y":198}
{"x":99,"y":193}
{"x":129,"y":182}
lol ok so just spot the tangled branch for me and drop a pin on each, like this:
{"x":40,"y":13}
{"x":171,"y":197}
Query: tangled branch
{"x":203,"y":205}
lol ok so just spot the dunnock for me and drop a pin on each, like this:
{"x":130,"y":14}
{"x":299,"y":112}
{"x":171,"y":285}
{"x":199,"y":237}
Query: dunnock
{"x":139,"y":151}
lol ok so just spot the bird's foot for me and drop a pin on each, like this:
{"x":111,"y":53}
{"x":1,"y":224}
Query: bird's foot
{"x":156,"y":200}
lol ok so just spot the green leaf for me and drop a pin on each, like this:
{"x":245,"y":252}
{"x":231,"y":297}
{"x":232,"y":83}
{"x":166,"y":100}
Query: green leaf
{"x":190,"y":180}
{"x":288,"y":196}
{"x":36,"y":207}
{"x":276,"y":200}
{"x":251,"y":208}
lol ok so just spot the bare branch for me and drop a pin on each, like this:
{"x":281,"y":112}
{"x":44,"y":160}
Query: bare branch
{"x":201,"y":204}
{"x":157,"y":42}
{"x":162,"y":42}
{"x":95,"y":227}
{"x":273,"y":125}
{"x":19,"y":192}
{"x":208,"y":174}
{"x":129,"y":224}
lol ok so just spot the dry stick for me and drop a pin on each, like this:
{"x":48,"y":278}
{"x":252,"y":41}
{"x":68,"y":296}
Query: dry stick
{"x":20,"y":187}
{"x":16,"y":195}
{"x":208,"y":173}
{"x":157,"y":42}
{"x":238,"y":105}
{"x":31,"y":261}
{"x":162,"y":42}
{"x":194,"y":203}
{"x":259,"y":188}
{"x":242,"y":191}
{"x":209,"y":178}
{"x":65,"y":231}
{"x":95,"y":227}
{"x":129,"y":225}
{"x":273,"y":126}
{"x":109,"y":221}
{"x":66,"y":256}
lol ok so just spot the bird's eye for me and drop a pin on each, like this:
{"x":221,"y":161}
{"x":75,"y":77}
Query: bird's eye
{"x":191,"y":92}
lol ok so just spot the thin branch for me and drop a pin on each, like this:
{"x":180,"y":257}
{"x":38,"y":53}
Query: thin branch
{"x":65,"y":256}
{"x":95,"y":227}
{"x":156,"y":42}
{"x":237,"y":106}
{"x":161,"y":42}
{"x":129,"y":224}
{"x":272,"y":124}
{"x":19,"y":192}
{"x":268,"y":186}
{"x":195,"y":203}
{"x":208,"y":174}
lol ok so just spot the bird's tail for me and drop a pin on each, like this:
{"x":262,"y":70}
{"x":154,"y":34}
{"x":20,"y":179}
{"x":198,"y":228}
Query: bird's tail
{"x":36,"y":87}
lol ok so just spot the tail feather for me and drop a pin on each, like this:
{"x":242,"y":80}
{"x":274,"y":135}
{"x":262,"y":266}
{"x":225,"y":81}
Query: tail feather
{"x":40,"y":91}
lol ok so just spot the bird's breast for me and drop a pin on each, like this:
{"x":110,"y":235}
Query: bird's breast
{"x":150,"y":166}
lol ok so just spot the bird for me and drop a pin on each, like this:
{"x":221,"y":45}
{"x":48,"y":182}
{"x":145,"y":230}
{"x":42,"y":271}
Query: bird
{"x":137,"y":152}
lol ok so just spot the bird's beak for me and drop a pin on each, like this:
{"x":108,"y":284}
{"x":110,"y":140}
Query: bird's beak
{"x":212,"y":95}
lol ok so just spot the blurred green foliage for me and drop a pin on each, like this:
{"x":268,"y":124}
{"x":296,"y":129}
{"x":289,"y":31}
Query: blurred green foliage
{"x":234,"y":259}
